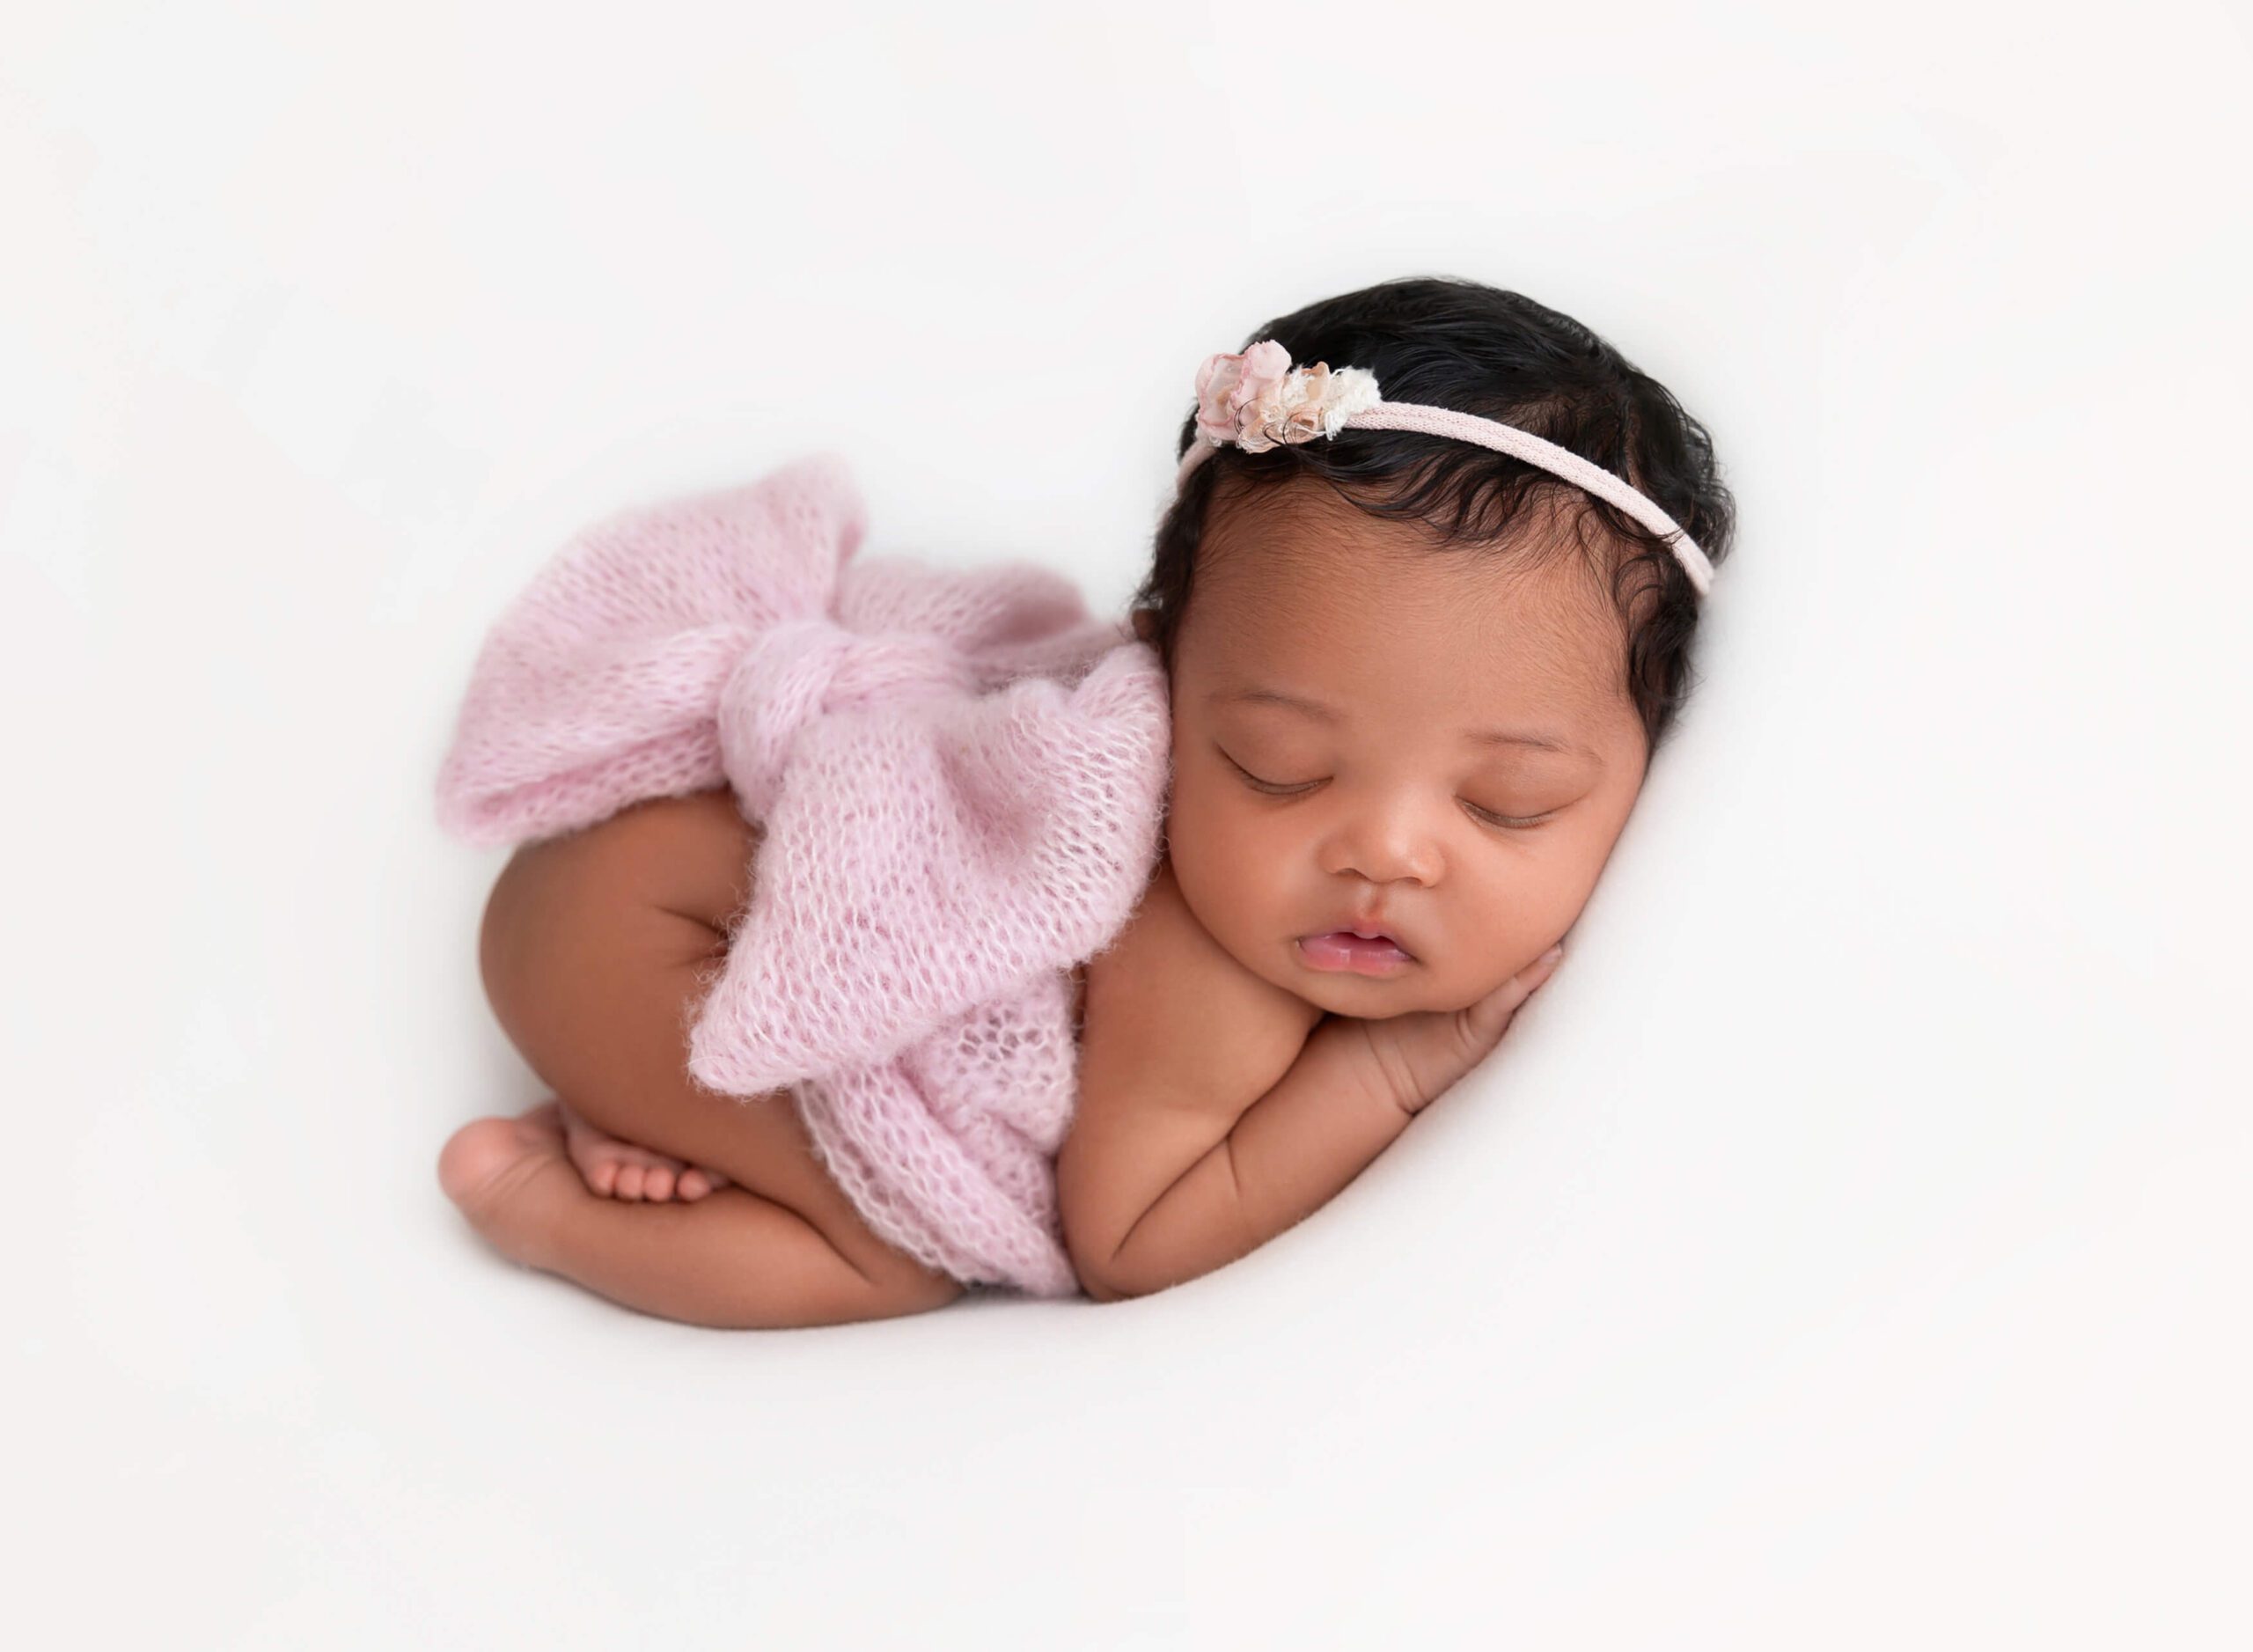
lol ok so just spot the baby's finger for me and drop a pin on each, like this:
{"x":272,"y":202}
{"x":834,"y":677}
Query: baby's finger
{"x":1491,"y":1016}
{"x":1541,"y":969}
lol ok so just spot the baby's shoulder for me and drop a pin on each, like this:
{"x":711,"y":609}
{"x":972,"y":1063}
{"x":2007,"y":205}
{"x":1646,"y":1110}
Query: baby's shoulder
{"x":1169,"y":1012}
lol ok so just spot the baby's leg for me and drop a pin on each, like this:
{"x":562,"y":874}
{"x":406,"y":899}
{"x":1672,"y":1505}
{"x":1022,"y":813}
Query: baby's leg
{"x":731,"y":1260}
{"x":596,"y":950}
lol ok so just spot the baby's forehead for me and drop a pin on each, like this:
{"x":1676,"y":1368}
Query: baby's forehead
{"x":1317,"y":595}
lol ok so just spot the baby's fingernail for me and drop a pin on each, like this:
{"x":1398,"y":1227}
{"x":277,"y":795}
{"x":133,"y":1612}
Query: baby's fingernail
{"x":1551,"y":956}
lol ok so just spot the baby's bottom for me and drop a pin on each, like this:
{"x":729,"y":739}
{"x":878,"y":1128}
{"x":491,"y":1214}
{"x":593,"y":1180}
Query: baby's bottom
{"x":596,"y":947}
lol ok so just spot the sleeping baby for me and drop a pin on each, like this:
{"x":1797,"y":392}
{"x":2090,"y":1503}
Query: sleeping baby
{"x":880,"y":932}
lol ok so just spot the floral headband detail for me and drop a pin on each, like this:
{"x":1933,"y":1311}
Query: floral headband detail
{"x":1256,"y":399}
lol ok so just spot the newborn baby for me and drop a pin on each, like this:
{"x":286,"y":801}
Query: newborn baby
{"x":1415,"y":679}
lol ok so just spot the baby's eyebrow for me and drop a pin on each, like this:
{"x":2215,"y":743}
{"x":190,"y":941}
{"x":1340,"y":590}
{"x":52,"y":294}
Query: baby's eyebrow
{"x":1330,"y":714}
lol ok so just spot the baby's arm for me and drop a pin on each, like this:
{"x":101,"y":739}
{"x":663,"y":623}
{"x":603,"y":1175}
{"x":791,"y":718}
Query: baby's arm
{"x":1179,"y":1041}
{"x":1217,"y":1110}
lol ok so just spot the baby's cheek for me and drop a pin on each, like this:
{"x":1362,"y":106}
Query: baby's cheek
{"x":1230,"y":868}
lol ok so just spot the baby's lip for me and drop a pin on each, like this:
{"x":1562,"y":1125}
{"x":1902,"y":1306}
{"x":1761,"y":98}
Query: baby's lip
{"x":1368,"y":932}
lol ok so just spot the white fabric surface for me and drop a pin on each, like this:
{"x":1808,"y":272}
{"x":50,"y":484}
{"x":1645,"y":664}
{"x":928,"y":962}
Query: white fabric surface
{"x":1848,"y":1247}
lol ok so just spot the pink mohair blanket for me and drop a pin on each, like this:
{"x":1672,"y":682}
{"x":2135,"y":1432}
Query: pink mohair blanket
{"x":962,"y":779}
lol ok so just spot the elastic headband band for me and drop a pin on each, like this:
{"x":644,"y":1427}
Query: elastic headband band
{"x":1257,"y":399}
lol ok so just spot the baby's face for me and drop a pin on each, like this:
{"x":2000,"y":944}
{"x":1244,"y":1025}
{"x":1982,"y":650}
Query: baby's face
{"x":1389,"y":813}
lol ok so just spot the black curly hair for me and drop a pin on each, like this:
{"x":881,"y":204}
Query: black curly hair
{"x":1461,"y":344}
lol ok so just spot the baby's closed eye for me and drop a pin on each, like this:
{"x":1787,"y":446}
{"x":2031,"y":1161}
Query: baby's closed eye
{"x":1500,"y":815}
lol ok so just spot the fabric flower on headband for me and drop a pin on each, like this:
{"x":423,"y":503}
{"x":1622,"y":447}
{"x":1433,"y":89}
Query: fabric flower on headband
{"x":1258,"y":400}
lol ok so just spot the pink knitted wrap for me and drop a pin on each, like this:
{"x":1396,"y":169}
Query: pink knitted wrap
{"x":961,"y":777}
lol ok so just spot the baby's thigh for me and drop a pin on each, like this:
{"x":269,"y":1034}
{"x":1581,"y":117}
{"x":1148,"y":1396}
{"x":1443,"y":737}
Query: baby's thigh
{"x":596,"y":950}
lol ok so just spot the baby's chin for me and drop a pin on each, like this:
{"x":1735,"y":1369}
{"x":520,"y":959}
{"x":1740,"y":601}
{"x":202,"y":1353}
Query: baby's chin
{"x":1380,"y":1001}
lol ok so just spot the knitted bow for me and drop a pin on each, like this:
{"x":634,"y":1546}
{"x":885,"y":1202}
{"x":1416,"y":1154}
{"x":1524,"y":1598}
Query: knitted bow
{"x":961,"y":776}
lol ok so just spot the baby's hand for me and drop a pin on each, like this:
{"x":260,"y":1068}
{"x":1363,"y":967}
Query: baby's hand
{"x":1412,"y":1059}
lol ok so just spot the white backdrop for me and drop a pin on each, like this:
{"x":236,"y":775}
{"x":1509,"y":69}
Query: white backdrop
{"x":1847,"y":1249}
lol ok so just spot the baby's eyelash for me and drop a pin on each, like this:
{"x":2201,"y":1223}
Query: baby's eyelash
{"x":1269,"y":788}
{"x":1519,"y":822}
{"x":1258,"y":784}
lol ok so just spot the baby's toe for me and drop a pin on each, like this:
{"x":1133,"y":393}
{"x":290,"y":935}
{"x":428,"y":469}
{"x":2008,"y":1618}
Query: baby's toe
{"x":629,"y":1182}
{"x":656,"y":1183}
{"x":702,"y":1181}
{"x":598,"y":1169}
{"x":586,"y":1154}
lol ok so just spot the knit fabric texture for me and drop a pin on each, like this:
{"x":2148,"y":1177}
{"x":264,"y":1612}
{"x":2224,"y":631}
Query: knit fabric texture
{"x":961,"y":779}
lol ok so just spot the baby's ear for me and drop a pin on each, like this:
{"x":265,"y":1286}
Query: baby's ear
{"x":1146,"y":625}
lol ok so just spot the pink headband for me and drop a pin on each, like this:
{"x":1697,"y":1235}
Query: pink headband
{"x":1257,"y":399}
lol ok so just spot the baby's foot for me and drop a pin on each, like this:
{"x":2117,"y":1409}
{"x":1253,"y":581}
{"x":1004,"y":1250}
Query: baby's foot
{"x":509,"y":1176}
{"x":620,"y":1170}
